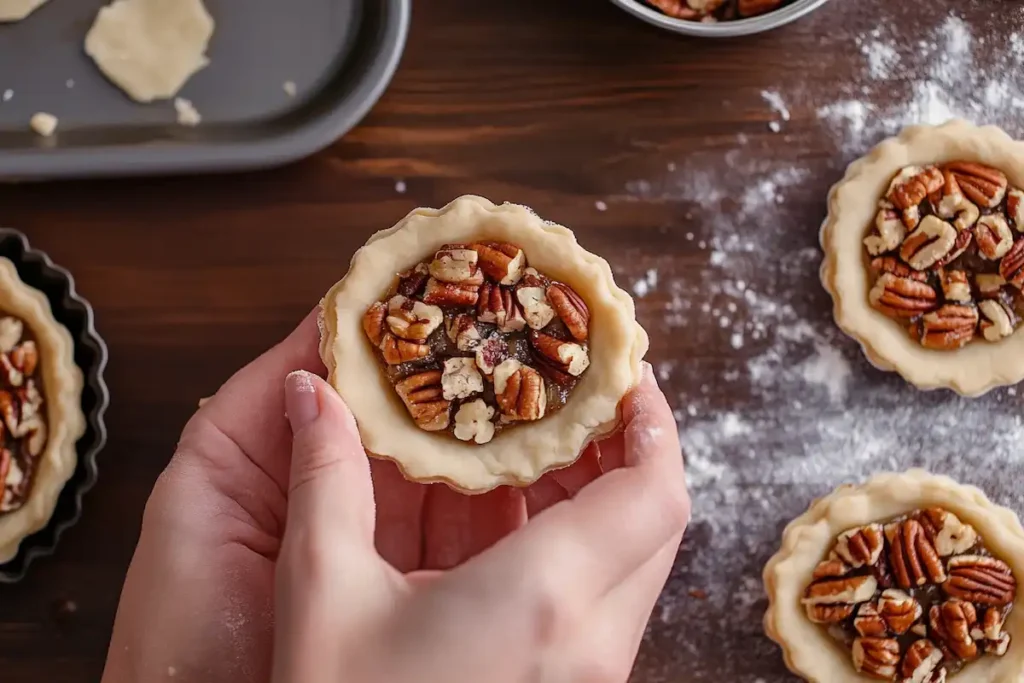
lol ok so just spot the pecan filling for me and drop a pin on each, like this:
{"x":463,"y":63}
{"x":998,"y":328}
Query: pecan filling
{"x":915,"y":598}
{"x":23,"y":430}
{"x":475,"y":341}
{"x":716,"y":10}
{"x":947,"y":253}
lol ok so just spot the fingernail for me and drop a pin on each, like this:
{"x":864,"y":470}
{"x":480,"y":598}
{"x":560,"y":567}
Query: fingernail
{"x":300,"y":399}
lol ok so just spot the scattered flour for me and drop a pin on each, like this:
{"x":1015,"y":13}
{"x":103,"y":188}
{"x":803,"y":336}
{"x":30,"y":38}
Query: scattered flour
{"x":8,"y":94}
{"x":400,"y":187}
{"x":600,"y":206}
{"x":647,"y":284}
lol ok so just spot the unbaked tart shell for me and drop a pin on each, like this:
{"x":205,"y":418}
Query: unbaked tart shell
{"x":808,"y":650}
{"x":853,"y":202}
{"x":517,"y":456}
{"x":62,"y":391}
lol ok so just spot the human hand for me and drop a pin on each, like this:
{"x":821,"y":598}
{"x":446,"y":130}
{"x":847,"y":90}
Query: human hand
{"x":564,"y":598}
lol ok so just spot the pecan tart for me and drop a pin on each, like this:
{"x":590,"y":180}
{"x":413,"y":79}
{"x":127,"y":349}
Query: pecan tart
{"x":924,"y":256}
{"x":479,"y":345}
{"x":908,"y":577}
{"x":717,"y":10}
{"x":40,"y":399}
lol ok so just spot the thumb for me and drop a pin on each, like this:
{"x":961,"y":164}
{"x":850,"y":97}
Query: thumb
{"x":330,"y":493}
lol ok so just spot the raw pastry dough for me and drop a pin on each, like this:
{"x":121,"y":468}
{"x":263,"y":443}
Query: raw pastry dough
{"x":807,"y":648}
{"x":522,"y":455}
{"x":62,"y":381}
{"x":970,"y":371}
{"x":150,"y":48}
{"x":16,"y":10}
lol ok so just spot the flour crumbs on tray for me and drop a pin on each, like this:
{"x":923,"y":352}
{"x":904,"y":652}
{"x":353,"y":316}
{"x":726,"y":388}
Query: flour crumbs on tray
{"x":187,"y":114}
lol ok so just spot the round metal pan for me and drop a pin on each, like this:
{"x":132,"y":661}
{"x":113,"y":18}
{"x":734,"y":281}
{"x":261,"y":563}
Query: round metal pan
{"x":724,"y":29}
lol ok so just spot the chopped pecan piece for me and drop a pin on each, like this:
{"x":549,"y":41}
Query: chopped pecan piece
{"x":899,"y":610}
{"x":463,"y":332}
{"x":912,"y":556}
{"x":923,"y":663}
{"x":473,"y":422}
{"x":373,"y":322}
{"x":891,"y":264}
{"x":983,"y":185}
{"x":846,"y":590}
{"x":461,"y":379}
{"x":949,"y":327}
{"x":963,"y":240}
{"x":519,"y":390}
{"x":869,"y":622}
{"x":890,"y":229}
{"x":1015,"y":208}
{"x":489,"y":353}
{"x":457,"y":265}
{"x":951,"y":624}
{"x":951,"y":203}
{"x":877,"y":657}
{"x":1011,"y":268}
{"x":993,"y":235}
{"x":536,"y":307}
{"x":423,"y":396}
{"x":996,"y":320}
{"x":910,"y":187}
{"x":980,"y":579}
{"x":947,"y":533}
{"x":25,"y":357}
{"x":902,"y":297}
{"x":955,"y":286}
{"x":501,"y":261}
{"x":498,"y":306}
{"x":860,"y":546}
{"x":996,"y":641}
{"x":831,"y":568}
{"x":932,"y":241}
{"x":989,"y":284}
{"x":412,"y":320}
{"x":566,"y":356}
{"x":450,"y":294}
{"x":571,"y":309}
{"x":396,"y":351}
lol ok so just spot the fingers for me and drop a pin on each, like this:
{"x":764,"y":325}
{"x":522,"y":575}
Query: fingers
{"x":585,"y":470}
{"x":249,"y":407}
{"x":400,"y":504}
{"x":583,"y":547}
{"x":458,"y":527}
{"x":330,"y":494}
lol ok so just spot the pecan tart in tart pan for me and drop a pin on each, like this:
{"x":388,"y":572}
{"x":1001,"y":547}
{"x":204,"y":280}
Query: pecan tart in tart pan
{"x":478,"y":345}
{"x":924,"y":256}
{"x":51,"y":411}
{"x":908,"y":577}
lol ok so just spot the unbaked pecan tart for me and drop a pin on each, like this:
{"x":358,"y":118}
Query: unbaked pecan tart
{"x":909,"y":577}
{"x":479,"y":345}
{"x":717,"y":10}
{"x":40,"y":410}
{"x":924,"y":256}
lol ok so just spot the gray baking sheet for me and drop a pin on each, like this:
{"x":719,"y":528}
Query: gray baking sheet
{"x":340,"y":54}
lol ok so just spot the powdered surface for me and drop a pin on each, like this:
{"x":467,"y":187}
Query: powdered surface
{"x":812,"y":413}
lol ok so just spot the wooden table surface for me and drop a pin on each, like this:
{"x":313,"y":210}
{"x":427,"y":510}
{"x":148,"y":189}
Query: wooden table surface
{"x":698,"y":168}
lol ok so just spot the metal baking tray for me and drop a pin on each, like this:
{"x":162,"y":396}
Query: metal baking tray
{"x":339,"y":54}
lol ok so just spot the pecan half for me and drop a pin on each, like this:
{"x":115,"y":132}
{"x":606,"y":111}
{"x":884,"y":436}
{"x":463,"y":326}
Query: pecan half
{"x":501,"y":261}
{"x":950,"y":203}
{"x":983,"y":185}
{"x":951,"y":624}
{"x":571,"y":308}
{"x":1015,"y":208}
{"x":996,"y":641}
{"x":450,"y":294}
{"x":473,"y":422}
{"x":677,"y":9}
{"x":869,"y":622}
{"x":536,"y":307}
{"x":955,"y":286}
{"x":980,"y":579}
{"x":568,"y":357}
{"x":373,"y":322}
{"x":933,"y":240}
{"x":519,"y":390}
{"x":877,"y":657}
{"x":860,"y":546}
{"x":456,"y":264}
{"x":996,"y":320}
{"x":833,"y":598}
{"x":923,"y":663}
{"x":498,"y":306}
{"x":891,"y":264}
{"x":899,"y":610}
{"x":412,"y":320}
{"x":1012,"y":265}
{"x":891,"y":232}
{"x":424,"y":399}
{"x":993,"y":235}
{"x":949,"y":327}
{"x":963,"y":240}
{"x":463,"y":332}
{"x":910,"y":187}
{"x":912,"y":556}
{"x":902,"y":297}
{"x":397,"y":351}
{"x":948,"y":534}
{"x":752,"y":8}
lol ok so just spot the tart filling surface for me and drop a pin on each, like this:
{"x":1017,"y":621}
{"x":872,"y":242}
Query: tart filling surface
{"x":40,"y":406}
{"x":475,"y":341}
{"x":717,"y":10}
{"x":909,"y":577}
{"x":928,"y":278}
{"x":479,"y":345}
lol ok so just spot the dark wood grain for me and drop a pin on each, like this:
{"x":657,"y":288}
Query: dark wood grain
{"x":563,"y":105}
